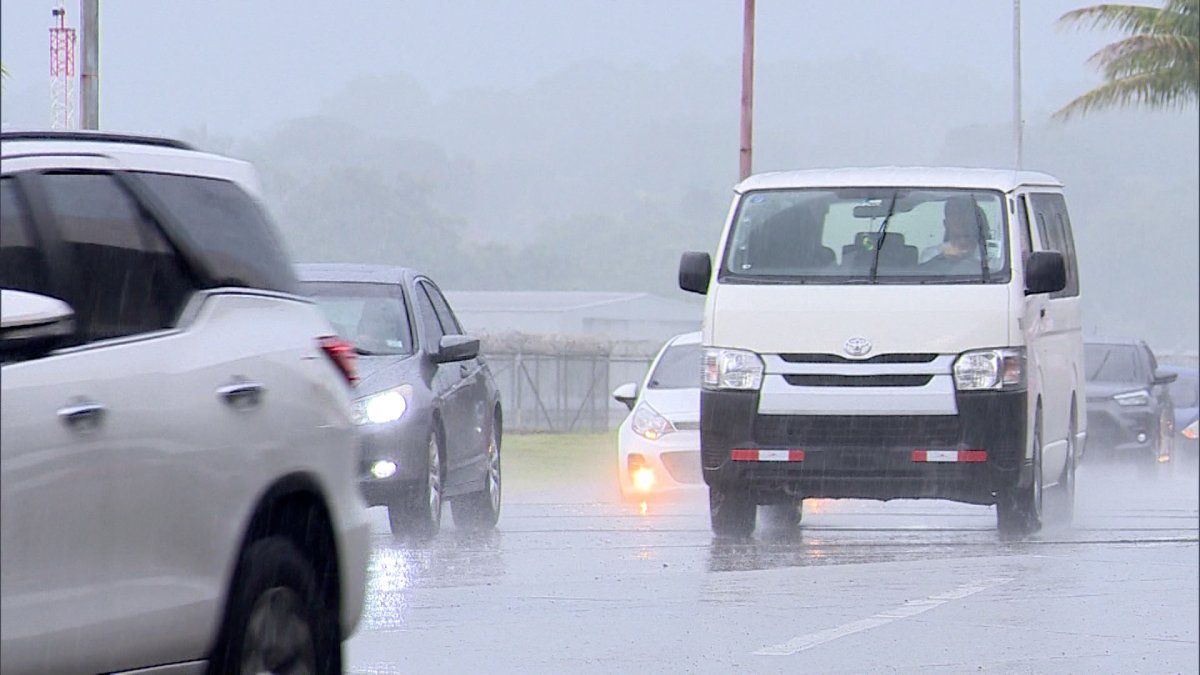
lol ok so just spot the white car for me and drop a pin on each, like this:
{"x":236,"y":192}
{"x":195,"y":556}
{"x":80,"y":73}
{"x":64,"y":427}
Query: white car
{"x":179,"y":475}
{"x":659,"y":442}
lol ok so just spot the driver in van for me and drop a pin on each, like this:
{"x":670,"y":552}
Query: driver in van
{"x":961,"y":242}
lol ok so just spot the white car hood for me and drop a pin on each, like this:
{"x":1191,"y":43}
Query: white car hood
{"x":675,"y":404}
{"x":942,"y":319}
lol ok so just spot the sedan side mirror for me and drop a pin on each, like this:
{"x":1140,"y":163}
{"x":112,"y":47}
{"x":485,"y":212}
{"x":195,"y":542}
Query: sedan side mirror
{"x":626,"y":394}
{"x":454,"y":348}
{"x":32,"y":324}
{"x":1165,"y":378}
{"x":695,"y":272}
{"x":1045,"y":272}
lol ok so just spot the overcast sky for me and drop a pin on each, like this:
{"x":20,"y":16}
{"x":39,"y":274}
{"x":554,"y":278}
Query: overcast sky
{"x":239,"y":67}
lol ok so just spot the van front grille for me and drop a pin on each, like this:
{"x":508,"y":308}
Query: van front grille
{"x":882,"y":358}
{"x":858,"y":380}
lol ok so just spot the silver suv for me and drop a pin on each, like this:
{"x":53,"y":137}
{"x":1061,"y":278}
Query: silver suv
{"x":179,"y":458}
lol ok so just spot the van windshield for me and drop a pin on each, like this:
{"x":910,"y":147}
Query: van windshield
{"x":868,"y":235}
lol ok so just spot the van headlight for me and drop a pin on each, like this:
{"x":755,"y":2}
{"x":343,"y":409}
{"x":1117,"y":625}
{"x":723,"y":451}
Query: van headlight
{"x":1132,"y":398}
{"x":990,"y":369}
{"x":648,"y":424}
{"x":383,"y":407}
{"x":732,"y":369}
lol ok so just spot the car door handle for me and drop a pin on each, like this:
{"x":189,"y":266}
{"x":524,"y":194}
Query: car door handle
{"x":464,"y":370}
{"x":84,"y":414}
{"x":241,"y":393}
{"x":1042,"y":312}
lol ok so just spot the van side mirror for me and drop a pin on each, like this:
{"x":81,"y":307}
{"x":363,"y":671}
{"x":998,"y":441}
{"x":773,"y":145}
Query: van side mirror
{"x":695,"y":271}
{"x":626,"y":394}
{"x":453,"y":348}
{"x":32,"y":324}
{"x":1045,"y":272}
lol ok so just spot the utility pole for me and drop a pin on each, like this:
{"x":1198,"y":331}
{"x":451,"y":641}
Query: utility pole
{"x":89,"y":72}
{"x":747,"y":89}
{"x":1018,"y":123}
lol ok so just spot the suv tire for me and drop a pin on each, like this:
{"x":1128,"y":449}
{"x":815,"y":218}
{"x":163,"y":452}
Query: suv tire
{"x":733,"y":512}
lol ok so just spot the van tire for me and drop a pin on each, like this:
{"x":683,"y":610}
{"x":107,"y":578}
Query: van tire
{"x":733,"y":512}
{"x":1060,"y":504}
{"x":1019,"y":509}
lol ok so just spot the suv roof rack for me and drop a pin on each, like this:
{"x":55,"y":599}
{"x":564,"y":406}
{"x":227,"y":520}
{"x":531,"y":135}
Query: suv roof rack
{"x":99,"y":136}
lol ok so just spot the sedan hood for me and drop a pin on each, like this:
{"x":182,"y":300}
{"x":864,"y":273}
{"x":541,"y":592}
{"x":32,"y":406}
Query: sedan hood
{"x":1101,"y":390}
{"x":376,"y":373}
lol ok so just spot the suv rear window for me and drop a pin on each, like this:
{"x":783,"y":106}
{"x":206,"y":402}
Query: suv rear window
{"x":233,"y":232}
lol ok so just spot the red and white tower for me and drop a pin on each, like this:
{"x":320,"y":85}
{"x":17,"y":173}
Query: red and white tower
{"x":62,"y":72}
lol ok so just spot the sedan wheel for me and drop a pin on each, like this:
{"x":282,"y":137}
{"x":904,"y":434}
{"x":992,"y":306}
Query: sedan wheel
{"x":419,"y":514}
{"x":481,"y":510}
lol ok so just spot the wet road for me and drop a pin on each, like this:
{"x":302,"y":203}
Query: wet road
{"x":574,"y":581}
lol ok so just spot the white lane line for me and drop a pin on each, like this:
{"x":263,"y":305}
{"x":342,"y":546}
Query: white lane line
{"x":908,"y":609}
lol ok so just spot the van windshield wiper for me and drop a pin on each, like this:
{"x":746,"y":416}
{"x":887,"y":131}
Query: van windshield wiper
{"x":882,"y":235}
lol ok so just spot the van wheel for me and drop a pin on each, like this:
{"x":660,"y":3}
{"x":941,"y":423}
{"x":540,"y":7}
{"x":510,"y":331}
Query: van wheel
{"x":1019,"y":509}
{"x":481,"y":510}
{"x":278,"y":621}
{"x":1062,"y":496}
{"x":785,"y":516}
{"x":418,"y":514}
{"x":733,"y":512}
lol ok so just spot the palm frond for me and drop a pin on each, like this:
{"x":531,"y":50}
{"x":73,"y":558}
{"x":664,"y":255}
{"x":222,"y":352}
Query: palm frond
{"x":1143,"y":53}
{"x":1163,"y":89}
{"x":1125,"y":18}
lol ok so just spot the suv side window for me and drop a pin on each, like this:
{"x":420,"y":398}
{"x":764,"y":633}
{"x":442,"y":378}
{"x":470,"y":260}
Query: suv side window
{"x":230,"y":228}
{"x":450,"y":325}
{"x":429,"y":321}
{"x":128,"y":279}
{"x":1055,"y":230}
{"x":22,"y":263}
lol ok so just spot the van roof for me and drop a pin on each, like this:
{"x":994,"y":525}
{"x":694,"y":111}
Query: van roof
{"x":1004,"y":180}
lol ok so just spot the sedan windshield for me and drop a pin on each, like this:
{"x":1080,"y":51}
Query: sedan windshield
{"x":868,"y":235}
{"x":1111,"y":363}
{"x":679,"y":368}
{"x":373,"y":317}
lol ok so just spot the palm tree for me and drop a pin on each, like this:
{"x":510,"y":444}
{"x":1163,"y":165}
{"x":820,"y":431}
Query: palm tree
{"x":1157,"y":65}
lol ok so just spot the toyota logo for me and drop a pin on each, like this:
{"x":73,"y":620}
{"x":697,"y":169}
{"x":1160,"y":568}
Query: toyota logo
{"x":858,"y":346}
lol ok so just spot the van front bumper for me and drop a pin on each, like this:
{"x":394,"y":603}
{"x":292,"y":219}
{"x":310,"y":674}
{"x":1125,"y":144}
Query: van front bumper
{"x":867,"y":456}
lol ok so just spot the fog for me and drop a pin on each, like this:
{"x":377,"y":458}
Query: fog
{"x":584,"y":145}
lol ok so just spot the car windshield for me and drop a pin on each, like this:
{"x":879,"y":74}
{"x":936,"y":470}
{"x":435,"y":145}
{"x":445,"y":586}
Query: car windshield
{"x":373,"y":317}
{"x":868,"y":235}
{"x":679,"y":368}
{"x":1111,"y":363}
{"x":1184,"y":391}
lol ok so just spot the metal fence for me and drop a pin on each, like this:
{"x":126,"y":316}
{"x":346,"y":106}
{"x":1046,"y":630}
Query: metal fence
{"x":563,"y":392}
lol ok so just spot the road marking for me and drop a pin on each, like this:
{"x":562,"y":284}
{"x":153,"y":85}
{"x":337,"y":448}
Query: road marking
{"x":908,"y":609}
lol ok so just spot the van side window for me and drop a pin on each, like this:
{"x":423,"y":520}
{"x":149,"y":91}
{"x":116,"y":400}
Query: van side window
{"x":1023,"y":227}
{"x":128,"y":279}
{"x":1054,"y":228}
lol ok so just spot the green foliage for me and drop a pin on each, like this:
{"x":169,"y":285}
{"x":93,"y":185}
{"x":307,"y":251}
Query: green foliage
{"x":1157,"y":66}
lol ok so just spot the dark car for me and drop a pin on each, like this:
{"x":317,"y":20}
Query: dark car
{"x":426,"y":403}
{"x":1185,"y":394}
{"x":1130,"y":413}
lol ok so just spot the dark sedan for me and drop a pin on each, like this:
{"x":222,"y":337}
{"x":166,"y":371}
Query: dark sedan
{"x":427,"y":405}
{"x":1130,"y":413}
{"x":1185,"y":394}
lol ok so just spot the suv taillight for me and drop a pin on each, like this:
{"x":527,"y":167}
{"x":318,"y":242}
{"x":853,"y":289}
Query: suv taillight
{"x":342,"y":354}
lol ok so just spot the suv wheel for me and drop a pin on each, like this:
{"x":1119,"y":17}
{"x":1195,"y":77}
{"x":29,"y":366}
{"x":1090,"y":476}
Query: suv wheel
{"x":278,"y":621}
{"x":481,"y":510}
{"x":733,"y":512}
{"x":785,"y":516}
{"x":419,"y":513}
{"x":1019,"y":509}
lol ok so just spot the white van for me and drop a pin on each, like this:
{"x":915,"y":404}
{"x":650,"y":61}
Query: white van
{"x":891,"y":333}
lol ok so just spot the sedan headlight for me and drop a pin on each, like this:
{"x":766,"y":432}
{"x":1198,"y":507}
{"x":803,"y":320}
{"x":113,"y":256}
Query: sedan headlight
{"x":1190,"y":431}
{"x":1132,"y":398}
{"x":383,"y":407}
{"x":648,"y":424}
{"x":732,"y":369}
{"x":990,"y":369}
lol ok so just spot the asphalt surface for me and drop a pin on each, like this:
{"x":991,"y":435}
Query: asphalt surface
{"x":576,"y":581}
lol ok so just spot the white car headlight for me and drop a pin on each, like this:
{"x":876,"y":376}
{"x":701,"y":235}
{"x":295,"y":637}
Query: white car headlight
{"x":990,"y":369}
{"x":732,"y":369}
{"x":1132,"y":398}
{"x":383,"y":407}
{"x":648,"y":424}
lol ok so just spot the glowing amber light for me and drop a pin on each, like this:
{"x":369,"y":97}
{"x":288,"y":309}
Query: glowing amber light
{"x":643,"y":479}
